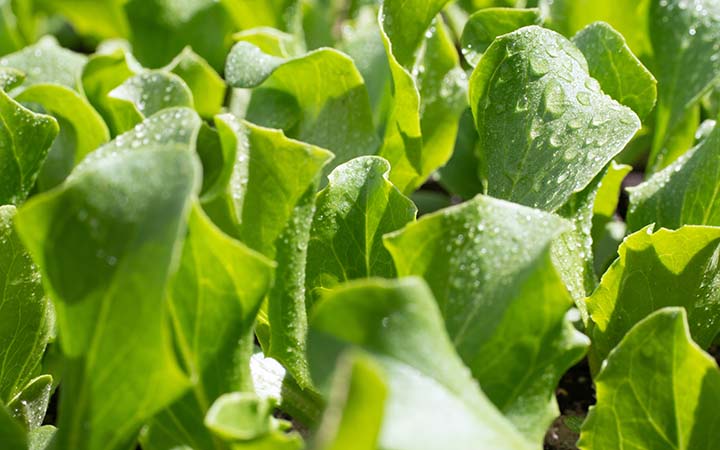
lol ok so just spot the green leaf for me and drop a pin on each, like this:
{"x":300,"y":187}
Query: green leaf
{"x":488,"y":264}
{"x":25,"y":315}
{"x":546,"y":129}
{"x":42,"y":438}
{"x":11,"y":37}
{"x":353,"y":212}
{"x":29,"y":405}
{"x":619,"y":72}
{"x":47,"y":62}
{"x":398,"y":324}
{"x":82,"y":129}
{"x":262,"y":170}
{"x":460,"y":175}
{"x":279,"y":14}
{"x":103,"y":73}
{"x":104,"y":19}
{"x":323,"y":93}
{"x":658,"y":390}
{"x":160,"y":29}
{"x":213,"y":312}
{"x":485,"y":25}
{"x":654,"y":270}
{"x":685,"y":192}
{"x":26,"y":138}
{"x":685,"y":37}
{"x":630,"y":19}
{"x":207,"y":87}
{"x":428,"y":91}
{"x":12,"y":434}
{"x":246,"y":421}
{"x":145,"y":94}
{"x":120,"y":214}
{"x":607,"y":231}
{"x":358,"y":388}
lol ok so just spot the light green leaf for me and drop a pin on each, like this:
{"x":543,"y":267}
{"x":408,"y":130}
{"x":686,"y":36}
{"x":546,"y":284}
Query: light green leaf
{"x":399,"y":325}
{"x":262,"y":170}
{"x":546,"y":129}
{"x":82,"y":129}
{"x":611,"y":62}
{"x":630,"y":19}
{"x":120,"y":214}
{"x":103,"y":73}
{"x":279,"y":14}
{"x":47,"y":62}
{"x":488,"y":264}
{"x":213,"y":313}
{"x":207,"y":87}
{"x":42,"y":438}
{"x":11,"y":36}
{"x":654,"y":270}
{"x":353,"y":212}
{"x":105,"y":19}
{"x":686,"y":38}
{"x":357,"y":392}
{"x":428,"y":91}
{"x":686,"y":192}
{"x":607,"y":231}
{"x":319,"y":98}
{"x":25,"y":138}
{"x":25,"y":316}
{"x":160,"y":29}
{"x":29,"y":405}
{"x":245,"y":421}
{"x":12,"y":434}
{"x":658,"y":391}
{"x":485,"y":25}
{"x":145,"y":94}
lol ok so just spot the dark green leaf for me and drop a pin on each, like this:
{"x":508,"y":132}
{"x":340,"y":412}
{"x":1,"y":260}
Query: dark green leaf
{"x":485,"y":25}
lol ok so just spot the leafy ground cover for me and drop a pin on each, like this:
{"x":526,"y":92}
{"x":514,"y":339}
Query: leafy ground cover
{"x":356,"y":225}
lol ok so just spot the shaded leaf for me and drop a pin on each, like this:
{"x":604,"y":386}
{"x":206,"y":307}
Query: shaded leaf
{"x":485,"y":25}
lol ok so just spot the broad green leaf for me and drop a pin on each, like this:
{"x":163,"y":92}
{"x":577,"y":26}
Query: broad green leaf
{"x":488,"y":264}
{"x":607,"y":232}
{"x":620,"y":74}
{"x":358,"y":389}
{"x":29,"y":405}
{"x":654,"y":270}
{"x":82,"y":129}
{"x":629,"y":18}
{"x":460,"y":175}
{"x":485,"y":25}
{"x":658,"y":390}
{"x":12,"y":434}
{"x":271,"y":41}
{"x":213,"y":313}
{"x":47,"y":62}
{"x":120,"y":214}
{"x":546,"y":129}
{"x":103,"y":73}
{"x":207,"y":87}
{"x":24,"y":311}
{"x":428,"y":90}
{"x":160,"y":29}
{"x":102,"y":19}
{"x":145,"y":94}
{"x":25,"y":138}
{"x":245,"y":422}
{"x":685,"y":192}
{"x":319,"y":98}
{"x":353,"y":212}
{"x":279,"y":14}
{"x":362,"y":42}
{"x":398,"y":324}
{"x":11,"y":36}
{"x":686,"y":38}
{"x":262,"y":170}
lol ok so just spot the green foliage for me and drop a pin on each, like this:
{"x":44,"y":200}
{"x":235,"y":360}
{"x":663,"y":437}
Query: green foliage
{"x":209,"y":232}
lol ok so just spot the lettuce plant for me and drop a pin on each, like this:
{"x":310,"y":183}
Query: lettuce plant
{"x":336,"y":224}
